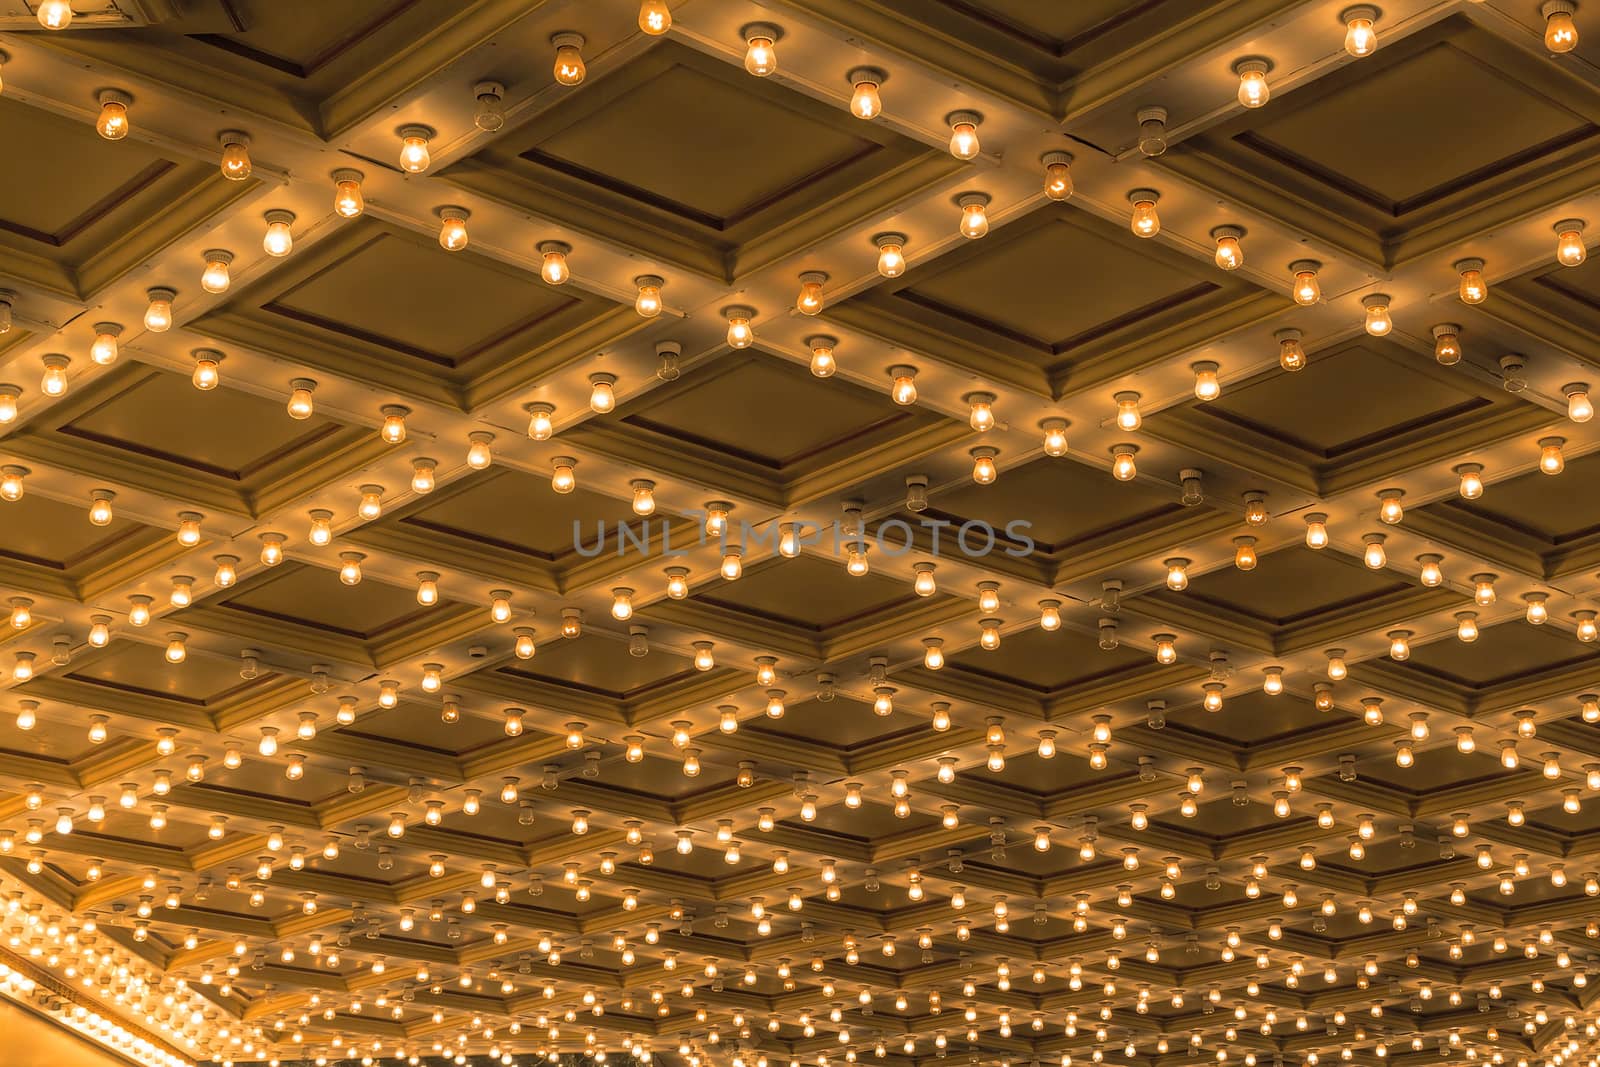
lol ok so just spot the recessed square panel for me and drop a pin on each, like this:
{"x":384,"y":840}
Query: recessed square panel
{"x":1060,"y":502}
{"x":695,"y":129}
{"x":301,"y":41}
{"x":1345,"y":399}
{"x":713,"y":408}
{"x":85,"y":175}
{"x":303,"y":595}
{"x":657,"y":776}
{"x":406,"y":293}
{"x":1058,"y":26}
{"x":1222,"y":818}
{"x":135,"y":667}
{"x":1501,"y":654}
{"x":1293,"y":585}
{"x":807,"y":591}
{"x":840,"y":722}
{"x":1012,"y":282}
{"x":158,"y":415}
{"x":1398,"y":135}
{"x":420,"y":724}
{"x":1539,"y":505}
{"x":1443,"y":767}
{"x":598,"y":665}
{"x":49,"y":533}
{"x":1047,"y":661}
{"x":515,"y":511}
{"x":1254,"y":718}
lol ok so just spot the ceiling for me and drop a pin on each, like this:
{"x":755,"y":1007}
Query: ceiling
{"x":326,"y":838}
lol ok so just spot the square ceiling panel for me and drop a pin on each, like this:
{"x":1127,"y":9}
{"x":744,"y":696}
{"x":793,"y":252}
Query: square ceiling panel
{"x":710,"y":202}
{"x":808,"y":592}
{"x":473,"y":328}
{"x":296,"y":594}
{"x":1359,"y":411}
{"x":140,"y":669}
{"x":841,"y":723}
{"x":57,"y":232}
{"x":1048,"y":662}
{"x":601,"y":666}
{"x":1508,"y":652}
{"x":50,"y":544}
{"x":1386,"y":147}
{"x":227,"y":449}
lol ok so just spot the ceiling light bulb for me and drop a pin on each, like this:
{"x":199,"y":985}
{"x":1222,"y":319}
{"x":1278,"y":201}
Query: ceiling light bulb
{"x":1055,"y":437}
{"x":760,"y":56}
{"x":974,"y":218}
{"x":158,"y":313}
{"x":100,"y":506}
{"x":1050,"y":615}
{"x":207,"y":371}
{"x":644,"y":496}
{"x":602,"y":393}
{"x":1466,"y":626}
{"x":655,"y":18}
{"x":1389,"y":507}
{"x":1570,"y":250}
{"x":988,"y":597}
{"x":891,"y":254}
{"x":553,"y":264}
{"x":1378,"y":323}
{"x":1483,"y":590}
{"x":540,"y":427}
{"x":865,"y":102}
{"x":11,"y":487}
{"x":350,"y":567}
{"x":215,"y":277}
{"x":903,"y":387}
{"x":732,"y":566}
{"x":8,"y":403}
{"x":569,"y":68}
{"x":271,"y":549}
{"x":964,"y":133}
{"x":823,"y":364}
{"x":1317,"y":530}
{"x":1551,"y":461}
{"x":1538,"y":612}
{"x":984,"y":471}
{"x":1560,"y":31}
{"x":1586,"y":627}
{"x":1579,"y":407}
{"x":414,"y":154}
{"x":479,"y":453}
{"x":427,"y":588}
{"x":393,"y":429}
{"x":189,"y":528}
{"x":55,"y":14}
{"x":1166,"y":649}
{"x":235,"y":160}
{"x":1145,"y":222}
{"x":347,"y":199}
{"x":1471,"y":480}
{"x":1244,"y":553}
{"x":1447,"y":344}
{"x":371,"y":503}
{"x":278,"y":240}
{"x":453,"y":227}
{"x":740,"y":335}
{"x":1255,"y":508}
{"x":1373,"y":555}
{"x":1057,"y":174}
{"x":562,"y":477}
{"x":1431,"y":575}
{"x":1122,"y":462}
{"x":1177,"y":573}
{"x":1474,"y":290}
{"x":423,"y":475}
{"x":112,"y":123}
{"x":1128,"y":417}
{"x":648,"y":301}
{"x":526,"y":644}
{"x":1253,"y":89}
{"x":1399,"y":645}
{"x":1360,"y":39}
{"x":1228,"y":256}
{"x":1206,"y":385}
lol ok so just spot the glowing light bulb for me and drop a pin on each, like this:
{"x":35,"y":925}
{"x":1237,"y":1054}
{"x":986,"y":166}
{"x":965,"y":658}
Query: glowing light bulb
{"x":964,"y":133}
{"x":278,"y":240}
{"x":11,"y":485}
{"x":1399,"y":645}
{"x":207,"y":369}
{"x":1389,"y":506}
{"x":55,"y":14}
{"x":1466,"y":626}
{"x":348,"y":202}
{"x":1551,"y":461}
{"x":1229,"y":255}
{"x":1055,"y":437}
{"x":891,"y":254}
{"x":414,"y":154}
{"x":569,"y":67}
{"x":1317,"y":530}
{"x":1373,"y":555}
{"x":271,"y":549}
{"x":1470,"y":485}
{"x":654,"y":17}
{"x":8,"y":403}
{"x":1253,"y":89}
{"x":1122,"y":462}
{"x":1447,"y":344}
{"x":1473,"y":289}
{"x":479,"y":453}
{"x":1206,"y":385}
{"x":1166,"y":649}
{"x":865,"y":102}
{"x":1431,"y":575}
{"x":423,"y":475}
{"x":974,"y":216}
{"x":1483,"y":590}
{"x":740,"y":335}
{"x":1057,"y":174}
{"x":1244,"y":553}
{"x":453,"y":227}
{"x":1570,"y":250}
{"x":1360,"y":38}
{"x":760,"y":57}
{"x":648,"y":300}
{"x":1560,"y":31}
{"x":823,"y":364}
{"x":1144,"y":222}
{"x":1306,"y":291}
{"x":1378,"y":323}
{"x":903,"y":387}
{"x":602,"y":393}
{"x":112,"y":123}
{"x":1579,"y":407}
{"x":984,"y":471}
{"x":562,"y":477}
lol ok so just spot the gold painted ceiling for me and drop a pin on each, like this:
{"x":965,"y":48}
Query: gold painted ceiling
{"x":1215,"y":683}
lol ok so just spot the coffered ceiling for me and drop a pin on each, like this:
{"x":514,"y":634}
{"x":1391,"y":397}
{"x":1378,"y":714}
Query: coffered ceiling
{"x":360,"y":709}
